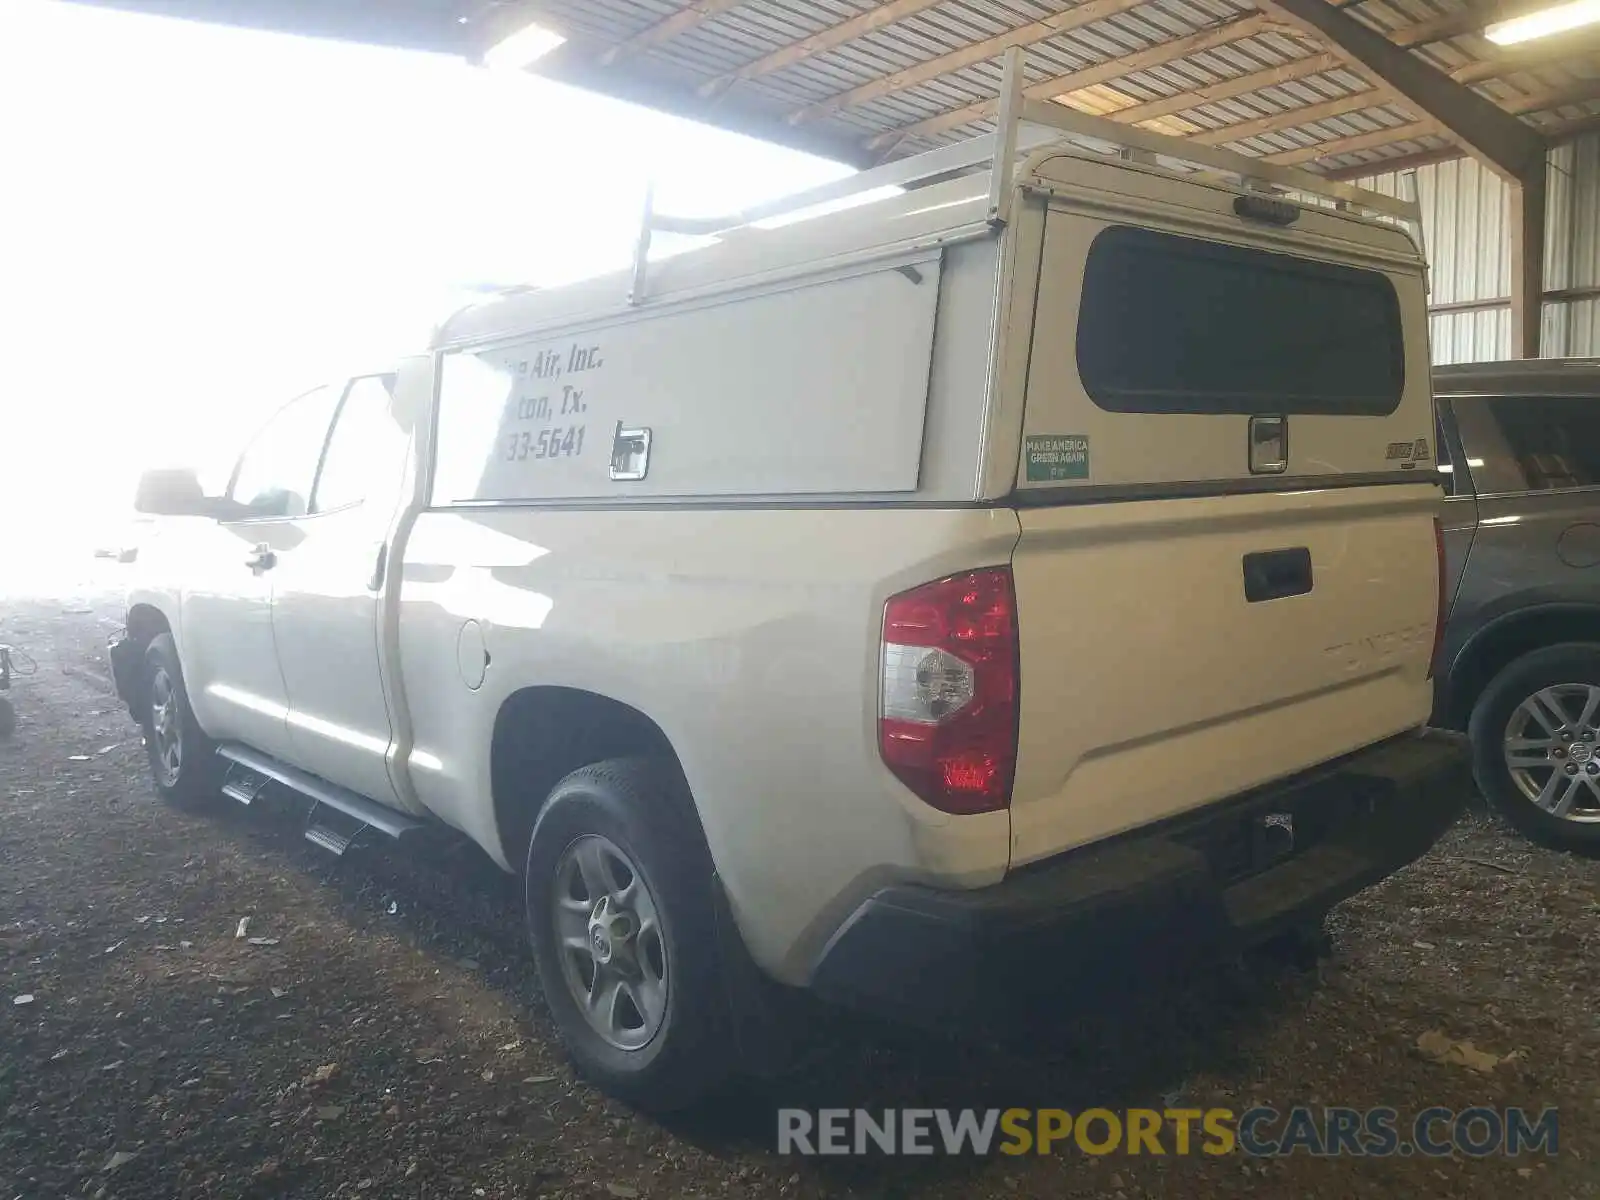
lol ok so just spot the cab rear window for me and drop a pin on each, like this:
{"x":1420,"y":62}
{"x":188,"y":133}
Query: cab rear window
{"x":1178,"y":325}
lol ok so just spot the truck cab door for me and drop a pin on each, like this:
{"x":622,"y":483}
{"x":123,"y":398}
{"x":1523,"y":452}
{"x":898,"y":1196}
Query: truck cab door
{"x":327,"y":596}
{"x":230,"y":662}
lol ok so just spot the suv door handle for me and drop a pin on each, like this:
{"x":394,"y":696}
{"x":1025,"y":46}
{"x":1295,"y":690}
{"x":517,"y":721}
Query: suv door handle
{"x":261,"y":558}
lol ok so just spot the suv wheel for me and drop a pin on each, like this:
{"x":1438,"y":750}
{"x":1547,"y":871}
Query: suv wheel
{"x":619,"y":908}
{"x":183,"y":760}
{"x":1536,"y":745}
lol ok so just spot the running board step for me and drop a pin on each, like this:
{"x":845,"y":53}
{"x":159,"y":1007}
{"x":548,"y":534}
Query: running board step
{"x":330,"y":840}
{"x":243,"y":784}
{"x":333,"y":830}
{"x":366,"y":812}
{"x":240,"y":791}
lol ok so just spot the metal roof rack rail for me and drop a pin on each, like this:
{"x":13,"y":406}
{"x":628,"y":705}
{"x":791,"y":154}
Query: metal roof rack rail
{"x":1023,"y":124}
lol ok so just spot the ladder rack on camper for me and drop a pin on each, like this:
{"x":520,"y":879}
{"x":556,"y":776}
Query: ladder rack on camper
{"x":1023,"y":124}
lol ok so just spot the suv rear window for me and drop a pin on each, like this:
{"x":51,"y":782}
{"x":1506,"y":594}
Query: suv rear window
{"x":1177,"y":325}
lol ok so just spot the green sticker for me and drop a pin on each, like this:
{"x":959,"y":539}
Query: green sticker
{"x":1054,"y":456}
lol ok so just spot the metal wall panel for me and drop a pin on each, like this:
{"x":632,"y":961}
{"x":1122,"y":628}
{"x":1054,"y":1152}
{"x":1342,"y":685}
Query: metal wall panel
{"x":1583,"y":338}
{"x":1465,"y":219}
{"x":1573,"y":260}
{"x":1465,"y":210}
{"x":1476,"y":336}
{"x":1572,"y":329}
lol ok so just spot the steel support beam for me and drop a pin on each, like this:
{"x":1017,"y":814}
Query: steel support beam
{"x":1502,"y":142}
{"x":1528,"y":198}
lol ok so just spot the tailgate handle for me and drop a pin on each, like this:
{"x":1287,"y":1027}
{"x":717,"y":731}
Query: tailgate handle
{"x":1274,"y":574}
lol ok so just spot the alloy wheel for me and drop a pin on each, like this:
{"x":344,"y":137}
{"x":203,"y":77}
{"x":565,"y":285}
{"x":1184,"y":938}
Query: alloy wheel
{"x":608,"y":929}
{"x":1552,"y":750}
{"x":166,"y":730}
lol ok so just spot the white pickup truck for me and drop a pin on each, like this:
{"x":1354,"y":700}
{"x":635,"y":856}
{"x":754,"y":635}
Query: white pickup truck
{"x":1045,"y":549}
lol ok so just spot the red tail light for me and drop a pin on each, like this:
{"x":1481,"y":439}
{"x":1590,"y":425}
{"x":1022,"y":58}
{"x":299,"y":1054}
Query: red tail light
{"x":1444,"y":600}
{"x":948,"y":722}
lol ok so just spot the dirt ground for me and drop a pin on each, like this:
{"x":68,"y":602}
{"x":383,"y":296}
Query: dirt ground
{"x":385,"y":1038}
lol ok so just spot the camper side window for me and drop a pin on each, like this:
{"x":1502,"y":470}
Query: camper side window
{"x":1173,"y":324}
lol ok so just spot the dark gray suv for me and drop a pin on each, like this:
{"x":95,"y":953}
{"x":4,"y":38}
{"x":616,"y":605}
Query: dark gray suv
{"x":1519,"y":451}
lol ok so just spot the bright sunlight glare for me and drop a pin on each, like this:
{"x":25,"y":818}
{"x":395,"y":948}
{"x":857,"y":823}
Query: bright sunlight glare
{"x":202,"y":221}
{"x":527,"y":45}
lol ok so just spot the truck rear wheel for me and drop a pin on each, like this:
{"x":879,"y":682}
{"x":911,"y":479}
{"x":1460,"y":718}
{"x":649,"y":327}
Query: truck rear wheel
{"x":183,"y":760}
{"x":619,"y":906}
{"x":1536,"y":745}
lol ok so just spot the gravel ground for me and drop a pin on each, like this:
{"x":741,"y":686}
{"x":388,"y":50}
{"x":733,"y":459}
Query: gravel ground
{"x":385,"y":1038}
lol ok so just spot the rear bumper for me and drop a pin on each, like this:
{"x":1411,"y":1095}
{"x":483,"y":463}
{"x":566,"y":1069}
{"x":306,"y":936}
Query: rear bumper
{"x":1207,"y":884}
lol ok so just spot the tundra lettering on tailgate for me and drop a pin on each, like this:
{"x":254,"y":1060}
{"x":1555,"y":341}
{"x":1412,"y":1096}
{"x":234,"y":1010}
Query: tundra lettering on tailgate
{"x":1363,"y":652}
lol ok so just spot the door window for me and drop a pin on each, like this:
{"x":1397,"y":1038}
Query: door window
{"x":1532,"y":443}
{"x":366,"y":451}
{"x":274,"y":475}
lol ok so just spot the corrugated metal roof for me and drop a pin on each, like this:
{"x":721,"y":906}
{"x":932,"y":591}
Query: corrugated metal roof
{"x":703,"y":62}
{"x":748,"y":31}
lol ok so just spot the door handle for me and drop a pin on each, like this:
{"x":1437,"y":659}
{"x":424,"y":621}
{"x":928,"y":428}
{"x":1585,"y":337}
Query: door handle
{"x":1277,"y":574}
{"x":262,"y":558}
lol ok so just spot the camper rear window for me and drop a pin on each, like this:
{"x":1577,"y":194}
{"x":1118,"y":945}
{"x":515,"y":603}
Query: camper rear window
{"x":1176,"y":325}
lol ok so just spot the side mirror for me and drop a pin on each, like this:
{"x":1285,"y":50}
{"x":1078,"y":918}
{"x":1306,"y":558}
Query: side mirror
{"x":172,"y":492}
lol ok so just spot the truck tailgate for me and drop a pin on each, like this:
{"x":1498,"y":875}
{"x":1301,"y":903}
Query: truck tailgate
{"x":1178,"y":651}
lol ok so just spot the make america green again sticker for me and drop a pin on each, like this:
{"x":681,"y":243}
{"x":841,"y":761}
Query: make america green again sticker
{"x":1052,"y":456}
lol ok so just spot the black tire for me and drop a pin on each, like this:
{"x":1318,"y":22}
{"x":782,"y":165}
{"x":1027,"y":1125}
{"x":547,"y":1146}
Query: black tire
{"x":643,"y":809}
{"x":1571,"y":663}
{"x":198,"y":775}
